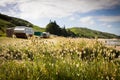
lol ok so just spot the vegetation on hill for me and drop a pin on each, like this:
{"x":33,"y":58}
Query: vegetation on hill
{"x":7,"y":22}
{"x":37,"y":28}
{"x":88,"y":33}
{"x":55,"y":29}
{"x":15,"y":21}
{"x":52,"y":27}
{"x":3,"y":25}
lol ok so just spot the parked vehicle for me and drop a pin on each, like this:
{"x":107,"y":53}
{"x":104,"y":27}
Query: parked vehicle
{"x":45,"y":35}
{"x":37,"y":33}
{"x":23,"y":32}
{"x":10,"y":32}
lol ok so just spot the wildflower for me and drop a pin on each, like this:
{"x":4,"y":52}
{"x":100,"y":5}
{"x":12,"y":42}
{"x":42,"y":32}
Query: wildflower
{"x":77,"y":65}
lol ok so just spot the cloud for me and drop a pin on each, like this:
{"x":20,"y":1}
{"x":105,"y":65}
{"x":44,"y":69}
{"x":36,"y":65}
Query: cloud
{"x":87,"y":20}
{"x":106,"y":25}
{"x":109,"y":18}
{"x":109,"y":26}
{"x":4,"y":2}
{"x":10,"y":9}
{"x":71,"y":18}
{"x":35,"y":9}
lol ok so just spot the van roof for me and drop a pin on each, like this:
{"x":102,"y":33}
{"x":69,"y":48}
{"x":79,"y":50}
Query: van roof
{"x":21,"y":28}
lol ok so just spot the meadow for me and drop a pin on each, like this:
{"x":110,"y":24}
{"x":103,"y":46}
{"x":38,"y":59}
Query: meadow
{"x":57,"y":58}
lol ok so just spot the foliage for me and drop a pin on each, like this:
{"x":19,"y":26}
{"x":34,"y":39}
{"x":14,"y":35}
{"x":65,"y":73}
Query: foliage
{"x":57,"y":59}
{"x":53,"y":28}
{"x":88,"y":33}
{"x":7,"y":22}
{"x":37,"y":28}
{"x":15,"y":21}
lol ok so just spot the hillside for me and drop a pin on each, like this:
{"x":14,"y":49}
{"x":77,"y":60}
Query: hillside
{"x":88,"y":33}
{"x":36,"y":28}
{"x":7,"y":21}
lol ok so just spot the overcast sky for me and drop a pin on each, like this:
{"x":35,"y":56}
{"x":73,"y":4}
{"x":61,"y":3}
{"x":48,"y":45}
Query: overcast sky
{"x":102,"y":15}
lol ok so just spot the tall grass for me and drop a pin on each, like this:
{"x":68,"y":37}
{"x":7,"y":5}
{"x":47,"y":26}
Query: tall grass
{"x":58,"y":59}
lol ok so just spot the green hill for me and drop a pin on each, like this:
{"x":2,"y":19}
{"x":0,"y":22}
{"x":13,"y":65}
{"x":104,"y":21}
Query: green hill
{"x":7,"y":22}
{"x":37,"y":28}
{"x":88,"y":33}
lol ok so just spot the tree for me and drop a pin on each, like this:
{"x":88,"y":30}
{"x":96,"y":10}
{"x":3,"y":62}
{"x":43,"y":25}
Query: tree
{"x":53,"y":28}
{"x":64,"y":32}
{"x":70,"y":33}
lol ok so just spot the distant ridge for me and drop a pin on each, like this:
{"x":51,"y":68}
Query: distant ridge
{"x":88,"y":33}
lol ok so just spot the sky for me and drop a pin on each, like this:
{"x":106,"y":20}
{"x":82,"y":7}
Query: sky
{"x":101,"y":15}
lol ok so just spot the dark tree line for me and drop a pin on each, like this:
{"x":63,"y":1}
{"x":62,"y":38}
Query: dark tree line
{"x":55,"y":29}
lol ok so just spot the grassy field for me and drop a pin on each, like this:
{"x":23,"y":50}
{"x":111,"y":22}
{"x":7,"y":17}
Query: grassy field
{"x":57,"y":59}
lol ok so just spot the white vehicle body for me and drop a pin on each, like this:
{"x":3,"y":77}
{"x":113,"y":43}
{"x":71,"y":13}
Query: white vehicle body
{"x":45,"y":35}
{"x":23,"y":31}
